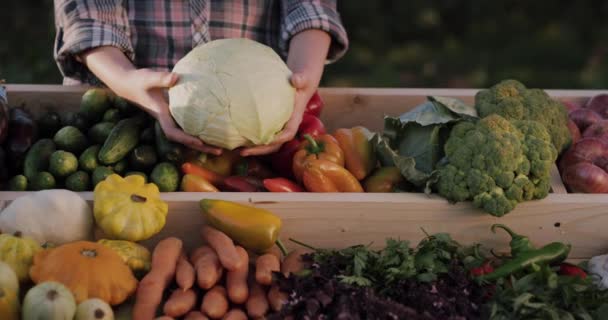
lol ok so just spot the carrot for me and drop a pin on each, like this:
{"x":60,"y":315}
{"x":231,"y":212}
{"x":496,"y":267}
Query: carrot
{"x":293,"y":261}
{"x":207,"y":266}
{"x":195,"y":315}
{"x":235,"y":314}
{"x":257,"y":304}
{"x":276,"y":298}
{"x":236,"y":280}
{"x":180,"y":303}
{"x":150,"y":290}
{"x":164,"y":318}
{"x":224,"y":247}
{"x":264,"y":266}
{"x":215,"y":302}
{"x":185,"y":273}
{"x":191,"y":168}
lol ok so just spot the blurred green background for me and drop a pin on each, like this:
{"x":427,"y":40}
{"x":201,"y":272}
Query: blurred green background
{"x":401,"y":43}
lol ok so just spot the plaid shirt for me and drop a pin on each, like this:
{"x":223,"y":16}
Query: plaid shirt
{"x":157,"y":33}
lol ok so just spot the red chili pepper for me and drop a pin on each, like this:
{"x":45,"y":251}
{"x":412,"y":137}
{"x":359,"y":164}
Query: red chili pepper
{"x":567,"y":269}
{"x":485,"y":268}
{"x":242,"y":184}
{"x":282,"y":160}
{"x":281,"y":185}
{"x":311,"y":125}
{"x":315,"y":105}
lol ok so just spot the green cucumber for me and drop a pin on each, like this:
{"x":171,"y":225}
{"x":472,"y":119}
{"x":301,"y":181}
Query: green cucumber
{"x":100,"y":132}
{"x":168,"y":150}
{"x":37,"y":158}
{"x":88,"y":159}
{"x":70,"y":139}
{"x":122,"y":139}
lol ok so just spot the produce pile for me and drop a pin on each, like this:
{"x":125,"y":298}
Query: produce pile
{"x":241,"y":270}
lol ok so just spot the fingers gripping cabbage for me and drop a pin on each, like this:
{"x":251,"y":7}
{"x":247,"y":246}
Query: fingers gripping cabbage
{"x":232,"y":93}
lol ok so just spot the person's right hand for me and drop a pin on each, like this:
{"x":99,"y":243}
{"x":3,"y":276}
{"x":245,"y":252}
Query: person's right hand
{"x":144,"y":87}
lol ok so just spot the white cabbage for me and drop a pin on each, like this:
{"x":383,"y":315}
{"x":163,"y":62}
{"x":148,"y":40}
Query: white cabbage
{"x":232,"y":93}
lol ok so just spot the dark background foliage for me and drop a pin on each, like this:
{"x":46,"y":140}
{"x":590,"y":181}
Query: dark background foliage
{"x":401,"y":43}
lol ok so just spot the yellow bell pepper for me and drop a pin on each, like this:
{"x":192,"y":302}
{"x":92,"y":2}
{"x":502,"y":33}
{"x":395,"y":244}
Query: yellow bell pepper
{"x":128,"y":208}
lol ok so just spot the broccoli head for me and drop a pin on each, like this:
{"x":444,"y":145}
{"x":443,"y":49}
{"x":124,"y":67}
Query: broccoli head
{"x":513,"y":101}
{"x":496,"y":163}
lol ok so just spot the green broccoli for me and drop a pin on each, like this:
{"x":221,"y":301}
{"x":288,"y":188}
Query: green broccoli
{"x":513,"y":101}
{"x":496,"y":163}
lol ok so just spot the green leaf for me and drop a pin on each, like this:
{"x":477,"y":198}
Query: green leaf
{"x":355,"y":280}
{"x":407,"y":165}
{"x":457,"y":106}
{"x":426,"y":277}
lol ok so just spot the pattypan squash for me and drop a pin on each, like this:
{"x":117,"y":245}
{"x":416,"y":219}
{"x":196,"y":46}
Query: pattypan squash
{"x":128,"y":208}
{"x":18,"y":252}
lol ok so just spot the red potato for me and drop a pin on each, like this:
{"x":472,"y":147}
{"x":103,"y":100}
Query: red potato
{"x":599,"y":104}
{"x":180,"y":303}
{"x":224,"y":247}
{"x":574,"y":131}
{"x":235,"y":314}
{"x":598,"y":130}
{"x":184,"y":274}
{"x":236,"y":280}
{"x":195,"y":315}
{"x":584,"y":118}
{"x":265,"y":265}
{"x":586,"y":177}
{"x":215,"y":303}
{"x":257,"y":303}
{"x":207,"y":265}
{"x":591,"y":150}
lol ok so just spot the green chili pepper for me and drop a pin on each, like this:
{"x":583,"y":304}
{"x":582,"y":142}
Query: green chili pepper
{"x":551,"y":253}
{"x":519,"y":244}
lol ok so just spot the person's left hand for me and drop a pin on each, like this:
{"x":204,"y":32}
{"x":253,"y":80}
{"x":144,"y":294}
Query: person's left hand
{"x":304,"y":91}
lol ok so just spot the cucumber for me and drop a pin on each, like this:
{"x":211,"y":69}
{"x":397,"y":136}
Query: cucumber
{"x":70,"y":139}
{"x":143,"y":158}
{"x":147,"y":135}
{"x":43,"y":181}
{"x":74,"y":119}
{"x":101,"y":173}
{"x":78,"y":181}
{"x":122,"y":139}
{"x":88,"y":159}
{"x":37,"y":158}
{"x":17,"y":183}
{"x":124,"y":106}
{"x":111,"y":115}
{"x":100,"y":132}
{"x":94,"y":104}
{"x":121,"y":166}
{"x":62,"y":164}
{"x":165,"y":176}
{"x":168,"y":151}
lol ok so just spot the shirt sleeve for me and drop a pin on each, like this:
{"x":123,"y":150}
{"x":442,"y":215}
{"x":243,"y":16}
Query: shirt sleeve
{"x":298,"y":16}
{"x":86,"y":24}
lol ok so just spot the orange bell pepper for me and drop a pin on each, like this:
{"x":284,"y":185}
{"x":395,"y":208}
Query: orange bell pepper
{"x":323,"y":147}
{"x":325,"y":176}
{"x":193,"y":183}
{"x":193,"y":168}
{"x":359,"y":156}
{"x":385,"y":179}
{"x":223,"y":164}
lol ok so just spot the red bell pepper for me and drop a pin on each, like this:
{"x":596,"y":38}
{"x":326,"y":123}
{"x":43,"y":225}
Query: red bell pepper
{"x":315,"y":105}
{"x":311,"y":125}
{"x":281,"y":185}
{"x":567,"y":269}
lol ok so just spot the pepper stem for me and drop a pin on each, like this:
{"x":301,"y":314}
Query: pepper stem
{"x":303,"y":244}
{"x":313,"y":146}
{"x":281,"y":246}
{"x":507,"y":229}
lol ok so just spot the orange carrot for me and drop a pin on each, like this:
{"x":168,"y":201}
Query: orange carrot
{"x":264,"y":266}
{"x":191,"y":168}
{"x":180,"y":303}
{"x":236,"y":280}
{"x":195,"y":315}
{"x":150,"y":290}
{"x":185,"y":273}
{"x":276,"y":298}
{"x":215,"y":302}
{"x":257,"y":303}
{"x":207,"y":266}
{"x":164,"y":318}
{"x":293,"y":262}
{"x":224,"y":247}
{"x":235,"y":314}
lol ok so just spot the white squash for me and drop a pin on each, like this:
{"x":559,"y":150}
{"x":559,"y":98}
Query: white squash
{"x":49,"y":301}
{"x":49,"y":216}
{"x":94,"y":309}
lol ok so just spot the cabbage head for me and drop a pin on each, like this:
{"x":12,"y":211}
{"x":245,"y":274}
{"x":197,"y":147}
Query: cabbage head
{"x":232,"y":93}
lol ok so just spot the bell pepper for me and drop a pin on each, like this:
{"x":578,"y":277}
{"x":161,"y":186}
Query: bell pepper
{"x":359,"y":155}
{"x":384,"y":180}
{"x":519,"y":244}
{"x":253,"y":167}
{"x":194,"y":183}
{"x":195,"y":169}
{"x":321,"y":175}
{"x":281,"y":185}
{"x":315,"y":105}
{"x":253,"y":228}
{"x":322,"y":147}
{"x":242,"y":184}
{"x":222,"y":164}
{"x":311,"y":125}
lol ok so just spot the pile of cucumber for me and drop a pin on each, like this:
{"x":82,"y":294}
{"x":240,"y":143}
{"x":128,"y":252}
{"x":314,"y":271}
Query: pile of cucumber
{"x":77,"y":150}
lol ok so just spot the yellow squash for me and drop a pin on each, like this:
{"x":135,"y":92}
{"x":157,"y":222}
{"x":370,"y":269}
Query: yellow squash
{"x":136,"y":256}
{"x":128,"y":208}
{"x":18,"y":252}
{"x":88,"y":269}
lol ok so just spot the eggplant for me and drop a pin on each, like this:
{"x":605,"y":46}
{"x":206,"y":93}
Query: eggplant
{"x":4,"y":115}
{"x":3,"y":169}
{"x":22,"y":133}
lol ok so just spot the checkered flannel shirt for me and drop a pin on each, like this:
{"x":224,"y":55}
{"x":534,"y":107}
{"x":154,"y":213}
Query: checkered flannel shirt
{"x":157,"y":33}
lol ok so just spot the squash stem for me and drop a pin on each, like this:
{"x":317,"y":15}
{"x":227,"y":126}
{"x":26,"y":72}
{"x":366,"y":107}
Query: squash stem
{"x":281,"y":247}
{"x":138,"y":198}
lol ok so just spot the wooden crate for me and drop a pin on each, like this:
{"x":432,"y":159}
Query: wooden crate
{"x":338,"y":220}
